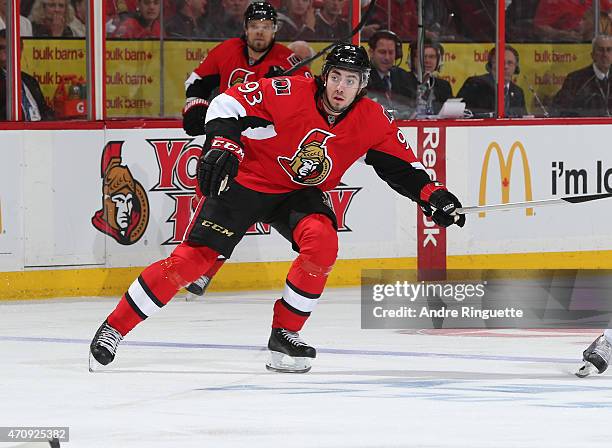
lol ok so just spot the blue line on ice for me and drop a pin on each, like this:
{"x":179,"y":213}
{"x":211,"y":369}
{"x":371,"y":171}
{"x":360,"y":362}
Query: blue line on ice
{"x":335,"y":351}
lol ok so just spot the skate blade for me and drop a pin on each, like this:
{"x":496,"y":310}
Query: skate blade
{"x":586,"y":370}
{"x":95,"y":366}
{"x":282,"y":363}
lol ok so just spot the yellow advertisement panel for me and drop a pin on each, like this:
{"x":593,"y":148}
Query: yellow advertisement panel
{"x":133,"y":78}
{"x":142,"y":80}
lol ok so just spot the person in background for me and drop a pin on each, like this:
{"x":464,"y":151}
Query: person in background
{"x":478,"y":92}
{"x":230,"y":23}
{"x":25,"y":26}
{"x":238,"y":60}
{"x":51,"y":18}
{"x":389,"y":84}
{"x":77,"y":25}
{"x":142,"y":24}
{"x":566,"y":20}
{"x":586,"y":92}
{"x":190,"y":21}
{"x":296,"y":21}
{"x":329,"y":23}
{"x":435,"y":90}
{"x":302,"y":50}
{"x":33,"y":102}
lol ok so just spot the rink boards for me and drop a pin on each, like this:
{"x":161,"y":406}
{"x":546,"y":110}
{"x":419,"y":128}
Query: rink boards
{"x":55,"y":238}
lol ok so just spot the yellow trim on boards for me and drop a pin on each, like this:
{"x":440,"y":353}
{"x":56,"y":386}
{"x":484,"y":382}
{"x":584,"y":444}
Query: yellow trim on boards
{"x":37,"y":284}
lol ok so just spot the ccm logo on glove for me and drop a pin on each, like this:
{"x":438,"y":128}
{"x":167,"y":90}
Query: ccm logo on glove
{"x":228,"y":145}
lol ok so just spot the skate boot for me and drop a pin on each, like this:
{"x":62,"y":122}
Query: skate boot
{"x":198,"y":288}
{"x":596,"y":357}
{"x":288,"y":353}
{"x":103,"y":346}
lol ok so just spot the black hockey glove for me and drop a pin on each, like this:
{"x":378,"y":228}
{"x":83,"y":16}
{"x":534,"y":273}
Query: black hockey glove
{"x":194,"y":115}
{"x":219,"y":165}
{"x":275,"y":70}
{"x":444,"y":203}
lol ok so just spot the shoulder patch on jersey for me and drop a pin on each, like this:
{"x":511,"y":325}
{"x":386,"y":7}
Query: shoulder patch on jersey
{"x":238,"y":76}
{"x":387,"y":114}
{"x":282,"y":86}
{"x":294,"y":59}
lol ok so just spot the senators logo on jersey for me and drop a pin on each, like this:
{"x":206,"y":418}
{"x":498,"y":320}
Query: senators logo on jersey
{"x":238,"y":76}
{"x":310,"y":165}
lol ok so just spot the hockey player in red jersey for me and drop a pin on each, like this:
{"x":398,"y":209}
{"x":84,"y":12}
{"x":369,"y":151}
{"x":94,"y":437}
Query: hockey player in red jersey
{"x":272,"y":148}
{"x":238,"y":60}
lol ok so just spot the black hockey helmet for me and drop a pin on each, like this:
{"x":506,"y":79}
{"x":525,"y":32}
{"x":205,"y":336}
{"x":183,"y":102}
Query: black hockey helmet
{"x":348,"y":57}
{"x":260,"y":11}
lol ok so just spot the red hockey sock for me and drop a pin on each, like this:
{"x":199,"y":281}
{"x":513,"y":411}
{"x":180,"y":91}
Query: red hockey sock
{"x":159,"y":283}
{"x":215,"y":267}
{"x":318,"y":242}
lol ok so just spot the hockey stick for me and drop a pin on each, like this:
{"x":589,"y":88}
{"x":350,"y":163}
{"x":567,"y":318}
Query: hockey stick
{"x":528,"y":204}
{"x":358,"y":28}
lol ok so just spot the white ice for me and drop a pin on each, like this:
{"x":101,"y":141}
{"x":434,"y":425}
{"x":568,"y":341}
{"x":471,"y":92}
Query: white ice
{"x":193,"y":376}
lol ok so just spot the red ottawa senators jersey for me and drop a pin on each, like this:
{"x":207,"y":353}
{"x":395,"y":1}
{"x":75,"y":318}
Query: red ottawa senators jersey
{"x":289,"y":143}
{"x":228,"y":64}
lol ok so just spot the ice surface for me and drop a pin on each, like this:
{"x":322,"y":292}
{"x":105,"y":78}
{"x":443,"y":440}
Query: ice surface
{"x":194,"y":376}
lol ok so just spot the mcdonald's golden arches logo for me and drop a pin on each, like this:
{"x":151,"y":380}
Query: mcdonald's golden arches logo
{"x":505,"y":170}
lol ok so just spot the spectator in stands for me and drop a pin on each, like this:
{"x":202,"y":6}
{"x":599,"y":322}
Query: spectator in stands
{"x":142,"y":24}
{"x":77,"y":25}
{"x":586,"y":92}
{"x":397,"y":15}
{"x":519,"y":21}
{"x":231,"y":22}
{"x":564,"y":20}
{"x":329,"y":23}
{"x":435,"y":90}
{"x":25,"y":25}
{"x":302,"y":50}
{"x":389,"y":84}
{"x":50,"y":18}
{"x":190,"y":21}
{"x":478,"y":92}
{"x":473,"y":20}
{"x":296,"y":21}
{"x":32,"y":100}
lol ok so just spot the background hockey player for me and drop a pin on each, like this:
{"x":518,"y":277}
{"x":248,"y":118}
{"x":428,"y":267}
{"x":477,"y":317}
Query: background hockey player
{"x":234,"y":61}
{"x":597,"y":355}
{"x":299,"y":136}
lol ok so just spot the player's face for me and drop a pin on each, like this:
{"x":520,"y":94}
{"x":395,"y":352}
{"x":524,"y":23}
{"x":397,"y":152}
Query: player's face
{"x":341,"y":88}
{"x":259,"y":34}
{"x":383,"y":56}
{"x":602,"y":54}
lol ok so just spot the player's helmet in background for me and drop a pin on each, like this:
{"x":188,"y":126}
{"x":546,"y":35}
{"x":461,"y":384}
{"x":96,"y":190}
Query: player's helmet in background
{"x":348,"y":57}
{"x":259,"y":11}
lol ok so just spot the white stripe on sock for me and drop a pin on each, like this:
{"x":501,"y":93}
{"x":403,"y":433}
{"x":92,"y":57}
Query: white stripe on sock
{"x":608,"y":335}
{"x":297,"y":301}
{"x":141,"y":299}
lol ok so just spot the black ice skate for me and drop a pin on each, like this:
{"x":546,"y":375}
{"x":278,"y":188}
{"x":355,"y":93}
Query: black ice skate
{"x":103,"y":346}
{"x":596,"y":357}
{"x":288,"y":353}
{"x":198,"y":288}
